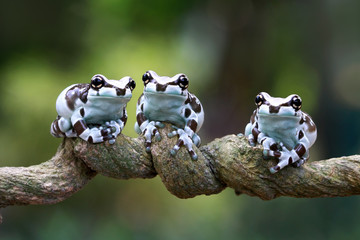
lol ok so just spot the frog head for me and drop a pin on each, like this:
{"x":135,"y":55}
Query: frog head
{"x":274,"y":106}
{"x":101,"y":87}
{"x":171,"y":86}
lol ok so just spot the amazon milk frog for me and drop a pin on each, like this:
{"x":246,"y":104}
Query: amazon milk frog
{"x":284,"y":131}
{"x":166,"y":99}
{"x":95,"y":111}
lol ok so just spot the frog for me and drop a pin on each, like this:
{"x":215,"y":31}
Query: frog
{"x":167,"y":99}
{"x":95,"y":111}
{"x":282,"y":128}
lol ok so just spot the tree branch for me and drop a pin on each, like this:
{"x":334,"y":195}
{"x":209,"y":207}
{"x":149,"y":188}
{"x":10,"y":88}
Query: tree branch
{"x":225,"y":162}
{"x":46,"y":183}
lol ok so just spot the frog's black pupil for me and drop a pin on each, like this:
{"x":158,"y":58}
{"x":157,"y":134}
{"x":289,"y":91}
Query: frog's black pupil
{"x":297,"y":102}
{"x":97,"y":83}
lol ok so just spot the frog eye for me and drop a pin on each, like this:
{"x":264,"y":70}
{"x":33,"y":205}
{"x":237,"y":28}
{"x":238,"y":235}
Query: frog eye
{"x":259,"y":99}
{"x":183,"y":82}
{"x":97,"y":82}
{"x":296,"y":103}
{"x":131,"y":84}
{"x":147,"y":78}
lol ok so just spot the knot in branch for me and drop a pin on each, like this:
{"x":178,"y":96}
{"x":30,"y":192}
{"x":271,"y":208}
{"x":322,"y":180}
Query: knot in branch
{"x":181,"y":175}
{"x":225,"y":162}
{"x":127,"y":158}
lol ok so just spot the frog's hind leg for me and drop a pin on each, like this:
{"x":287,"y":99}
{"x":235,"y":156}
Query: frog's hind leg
{"x":61,"y":127}
{"x":55,"y":128}
{"x":92,"y":135}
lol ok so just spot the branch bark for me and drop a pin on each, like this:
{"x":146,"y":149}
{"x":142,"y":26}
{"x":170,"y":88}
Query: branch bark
{"x":225,"y":162}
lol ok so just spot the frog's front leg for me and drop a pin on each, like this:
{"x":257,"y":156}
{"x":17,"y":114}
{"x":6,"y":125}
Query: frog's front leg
{"x":296,"y":156}
{"x":271,"y":147}
{"x":116,"y":126}
{"x":148,"y":129}
{"x":92,"y":135}
{"x":187,"y":136}
{"x":254,"y":135}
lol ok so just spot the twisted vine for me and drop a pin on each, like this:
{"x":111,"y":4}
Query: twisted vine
{"x":225,"y":162}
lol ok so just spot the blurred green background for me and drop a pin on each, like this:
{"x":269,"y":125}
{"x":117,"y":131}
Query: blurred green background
{"x":230,"y":50}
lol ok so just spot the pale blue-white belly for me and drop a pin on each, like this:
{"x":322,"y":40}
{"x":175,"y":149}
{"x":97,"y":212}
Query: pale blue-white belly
{"x":281,"y":129}
{"x":164,"y":108}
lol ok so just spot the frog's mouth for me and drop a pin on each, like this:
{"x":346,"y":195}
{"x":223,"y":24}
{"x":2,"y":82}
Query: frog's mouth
{"x":278,"y":111}
{"x":154,"y":93}
{"x":110,"y":98}
{"x":276,"y":115}
{"x":106,"y":97}
{"x":164,"y":89}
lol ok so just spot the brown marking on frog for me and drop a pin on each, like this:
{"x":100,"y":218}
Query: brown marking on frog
{"x":78,"y":91}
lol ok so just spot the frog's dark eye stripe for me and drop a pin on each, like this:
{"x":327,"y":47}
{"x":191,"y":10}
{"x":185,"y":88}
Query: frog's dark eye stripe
{"x":296,"y":102}
{"x":97,"y":82}
{"x":183,"y":82}
{"x":147,"y":78}
{"x":131,"y":84}
{"x":259,"y":99}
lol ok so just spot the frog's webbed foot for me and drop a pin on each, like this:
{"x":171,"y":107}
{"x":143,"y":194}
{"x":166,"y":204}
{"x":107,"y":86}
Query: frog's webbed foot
{"x":185,"y":139}
{"x":113,"y":129}
{"x":295,"y":157}
{"x":94,"y":133}
{"x":149,"y":131}
{"x":71,"y":133}
{"x":284,"y":157}
{"x":301,"y":161}
{"x":277,"y":150}
{"x":98,"y":135}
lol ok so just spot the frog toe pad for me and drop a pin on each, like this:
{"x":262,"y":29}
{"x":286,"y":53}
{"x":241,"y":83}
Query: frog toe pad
{"x":184,"y":139}
{"x":149,"y":131}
